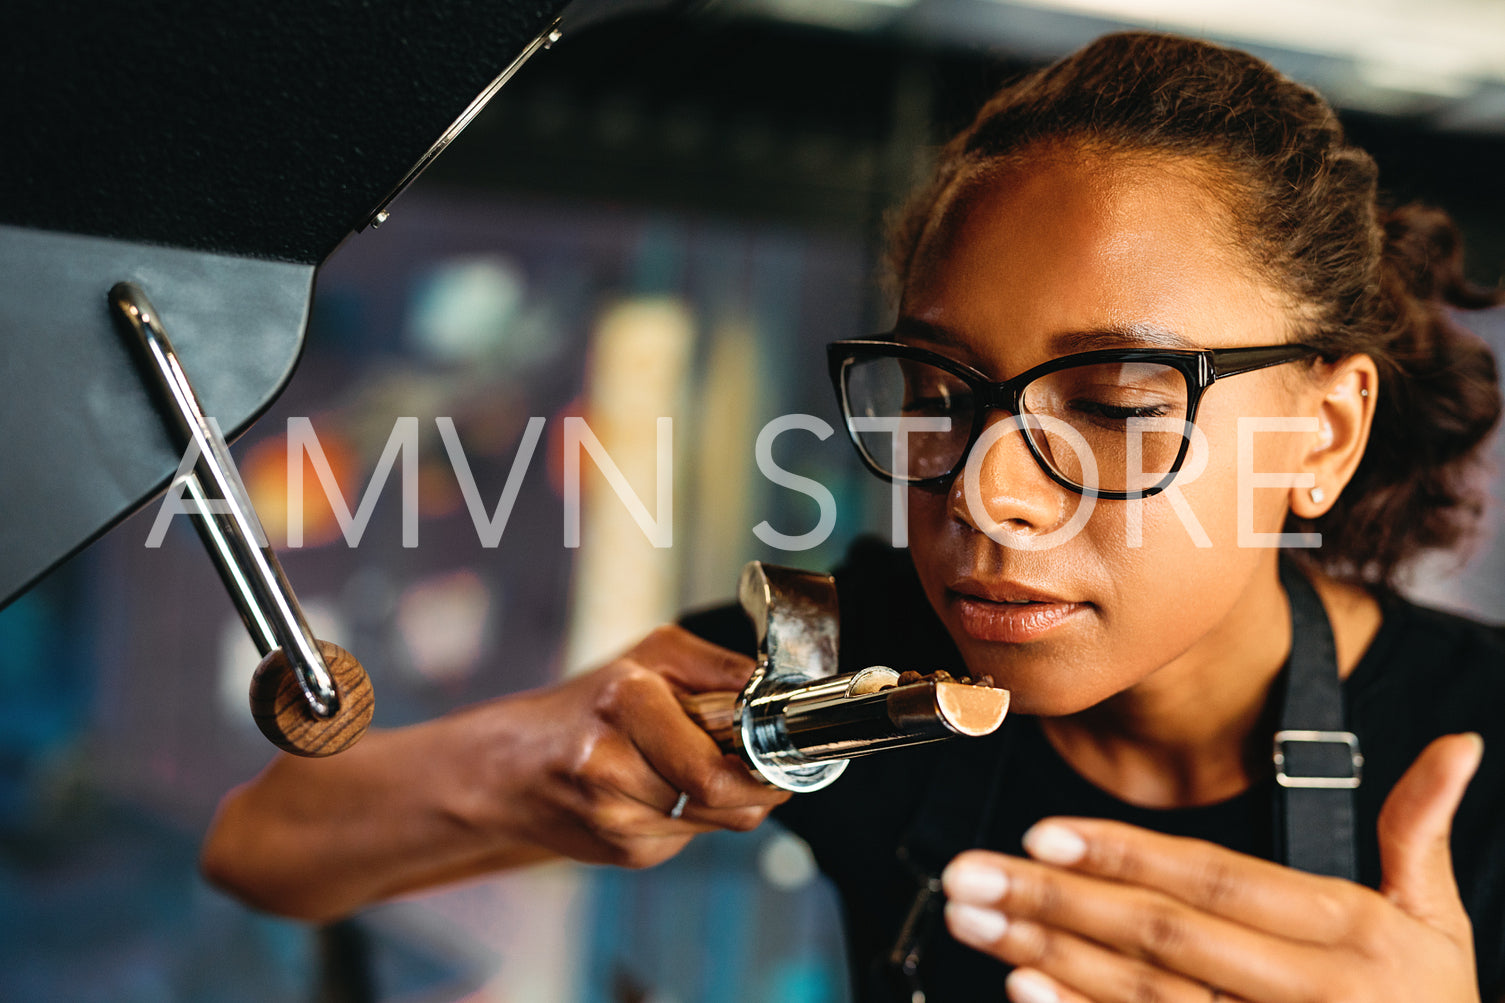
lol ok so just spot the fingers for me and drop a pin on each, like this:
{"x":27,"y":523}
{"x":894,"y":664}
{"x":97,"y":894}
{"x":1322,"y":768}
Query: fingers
{"x":1107,"y":911}
{"x":590,"y":846}
{"x":683,"y":758}
{"x":1415,"y":826}
{"x":1073,"y":967}
{"x":1139,"y":926}
{"x":1029,"y":985}
{"x":690,"y":662}
{"x":616,"y":809}
{"x":1210,"y":878}
{"x":637,"y":751}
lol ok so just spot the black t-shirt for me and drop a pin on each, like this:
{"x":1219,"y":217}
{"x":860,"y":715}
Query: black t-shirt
{"x":876,"y":831}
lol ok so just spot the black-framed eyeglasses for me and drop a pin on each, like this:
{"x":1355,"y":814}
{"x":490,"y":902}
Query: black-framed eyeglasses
{"x":1112,"y":423}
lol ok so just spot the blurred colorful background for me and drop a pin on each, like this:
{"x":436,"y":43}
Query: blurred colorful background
{"x":662,"y":218}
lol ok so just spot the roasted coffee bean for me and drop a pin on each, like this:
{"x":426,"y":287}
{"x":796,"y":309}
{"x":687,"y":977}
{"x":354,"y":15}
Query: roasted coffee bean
{"x":910,"y":677}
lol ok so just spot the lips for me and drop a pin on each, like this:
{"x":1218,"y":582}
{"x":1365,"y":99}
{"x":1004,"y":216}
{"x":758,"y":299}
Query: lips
{"x":1009,"y":612}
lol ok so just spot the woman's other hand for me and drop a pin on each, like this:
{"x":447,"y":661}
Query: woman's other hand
{"x":1109,"y":912}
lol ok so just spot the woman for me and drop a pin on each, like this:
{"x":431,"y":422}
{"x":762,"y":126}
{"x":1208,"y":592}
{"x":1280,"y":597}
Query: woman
{"x":1114,"y":565}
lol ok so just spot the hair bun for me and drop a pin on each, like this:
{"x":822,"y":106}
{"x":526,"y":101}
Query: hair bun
{"x":1418,"y":486}
{"x":1424,"y":250}
{"x":1443,"y":388}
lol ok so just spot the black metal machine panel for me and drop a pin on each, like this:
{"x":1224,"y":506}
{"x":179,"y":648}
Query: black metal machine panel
{"x":213,"y":153}
{"x":267,"y":129}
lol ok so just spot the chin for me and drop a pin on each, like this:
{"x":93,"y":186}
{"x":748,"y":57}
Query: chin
{"x":1048,"y":688}
{"x":1047,"y":703}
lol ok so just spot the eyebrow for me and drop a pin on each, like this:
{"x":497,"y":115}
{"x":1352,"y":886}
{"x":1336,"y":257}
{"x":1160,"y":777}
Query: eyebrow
{"x":1141,"y":335}
{"x":1119,"y":336}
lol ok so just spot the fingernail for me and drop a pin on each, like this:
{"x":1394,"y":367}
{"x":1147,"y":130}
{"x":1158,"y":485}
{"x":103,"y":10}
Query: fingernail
{"x":1054,"y":844}
{"x":971,"y":925}
{"x":1478,"y":742}
{"x":1025,"y":986}
{"x":970,"y":881}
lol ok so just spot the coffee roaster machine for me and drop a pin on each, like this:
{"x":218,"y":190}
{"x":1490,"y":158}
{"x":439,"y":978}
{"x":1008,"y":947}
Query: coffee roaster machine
{"x":176,"y":172}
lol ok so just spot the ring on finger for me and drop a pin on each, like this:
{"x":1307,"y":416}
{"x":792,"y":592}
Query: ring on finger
{"x":679,"y":806}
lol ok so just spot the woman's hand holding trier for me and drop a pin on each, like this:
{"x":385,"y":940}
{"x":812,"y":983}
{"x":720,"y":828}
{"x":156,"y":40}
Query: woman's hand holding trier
{"x":593,"y":767}
{"x":590,"y":768}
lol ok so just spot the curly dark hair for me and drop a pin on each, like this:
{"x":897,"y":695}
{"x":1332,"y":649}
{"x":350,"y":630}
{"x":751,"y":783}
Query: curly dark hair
{"x":1364,"y":279}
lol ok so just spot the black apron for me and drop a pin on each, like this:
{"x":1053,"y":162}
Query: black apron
{"x":1317,"y":767}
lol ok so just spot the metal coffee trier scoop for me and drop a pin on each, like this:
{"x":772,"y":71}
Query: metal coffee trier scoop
{"x":796,"y":723}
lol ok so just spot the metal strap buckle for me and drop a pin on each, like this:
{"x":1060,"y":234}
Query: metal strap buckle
{"x":1347,"y":738}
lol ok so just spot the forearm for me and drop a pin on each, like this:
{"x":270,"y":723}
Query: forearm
{"x":402,"y":810}
{"x":588,"y":769}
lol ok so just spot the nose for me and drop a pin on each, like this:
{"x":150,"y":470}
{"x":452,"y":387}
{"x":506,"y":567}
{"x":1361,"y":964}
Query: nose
{"x":1015,"y":493}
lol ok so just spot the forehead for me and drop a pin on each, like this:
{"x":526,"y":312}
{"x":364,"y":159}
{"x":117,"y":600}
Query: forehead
{"x":1019,"y":259}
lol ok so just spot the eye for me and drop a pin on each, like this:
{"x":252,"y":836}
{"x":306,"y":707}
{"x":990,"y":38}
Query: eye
{"x":1115,"y":411}
{"x":1109,"y":395}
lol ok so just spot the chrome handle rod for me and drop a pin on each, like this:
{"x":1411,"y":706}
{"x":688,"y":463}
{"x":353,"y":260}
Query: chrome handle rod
{"x":231,"y":530}
{"x":229,"y":567}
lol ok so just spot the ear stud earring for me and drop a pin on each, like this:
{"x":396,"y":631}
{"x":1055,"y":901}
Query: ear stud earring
{"x":1363,"y":391}
{"x":1318,"y":496}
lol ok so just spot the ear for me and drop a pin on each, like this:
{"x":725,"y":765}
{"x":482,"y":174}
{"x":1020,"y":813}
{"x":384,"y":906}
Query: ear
{"x":1344,"y":400}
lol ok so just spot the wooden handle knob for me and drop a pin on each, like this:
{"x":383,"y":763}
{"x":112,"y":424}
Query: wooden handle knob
{"x":716,"y":713}
{"x":283,"y":716}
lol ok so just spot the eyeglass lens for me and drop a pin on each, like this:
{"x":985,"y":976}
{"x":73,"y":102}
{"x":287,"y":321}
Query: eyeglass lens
{"x":1125,"y":419}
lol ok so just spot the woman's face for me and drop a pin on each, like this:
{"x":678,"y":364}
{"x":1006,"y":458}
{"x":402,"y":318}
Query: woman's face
{"x":1068,"y":254}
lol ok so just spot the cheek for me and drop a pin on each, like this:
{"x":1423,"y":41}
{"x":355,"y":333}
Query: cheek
{"x":939,"y":543}
{"x":1242,"y":485}
{"x":927,"y":521}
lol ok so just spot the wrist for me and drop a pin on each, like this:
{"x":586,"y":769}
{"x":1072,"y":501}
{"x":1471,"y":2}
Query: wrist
{"x":481,"y":761}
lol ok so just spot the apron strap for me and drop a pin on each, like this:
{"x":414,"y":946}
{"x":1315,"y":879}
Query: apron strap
{"x":1317,"y":760}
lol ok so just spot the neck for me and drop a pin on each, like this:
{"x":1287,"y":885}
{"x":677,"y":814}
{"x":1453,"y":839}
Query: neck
{"x":1196,"y":731}
{"x":1191,"y":732}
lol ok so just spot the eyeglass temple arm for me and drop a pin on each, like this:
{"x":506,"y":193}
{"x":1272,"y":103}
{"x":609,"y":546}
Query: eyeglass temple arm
{"x":1233,"y":361}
